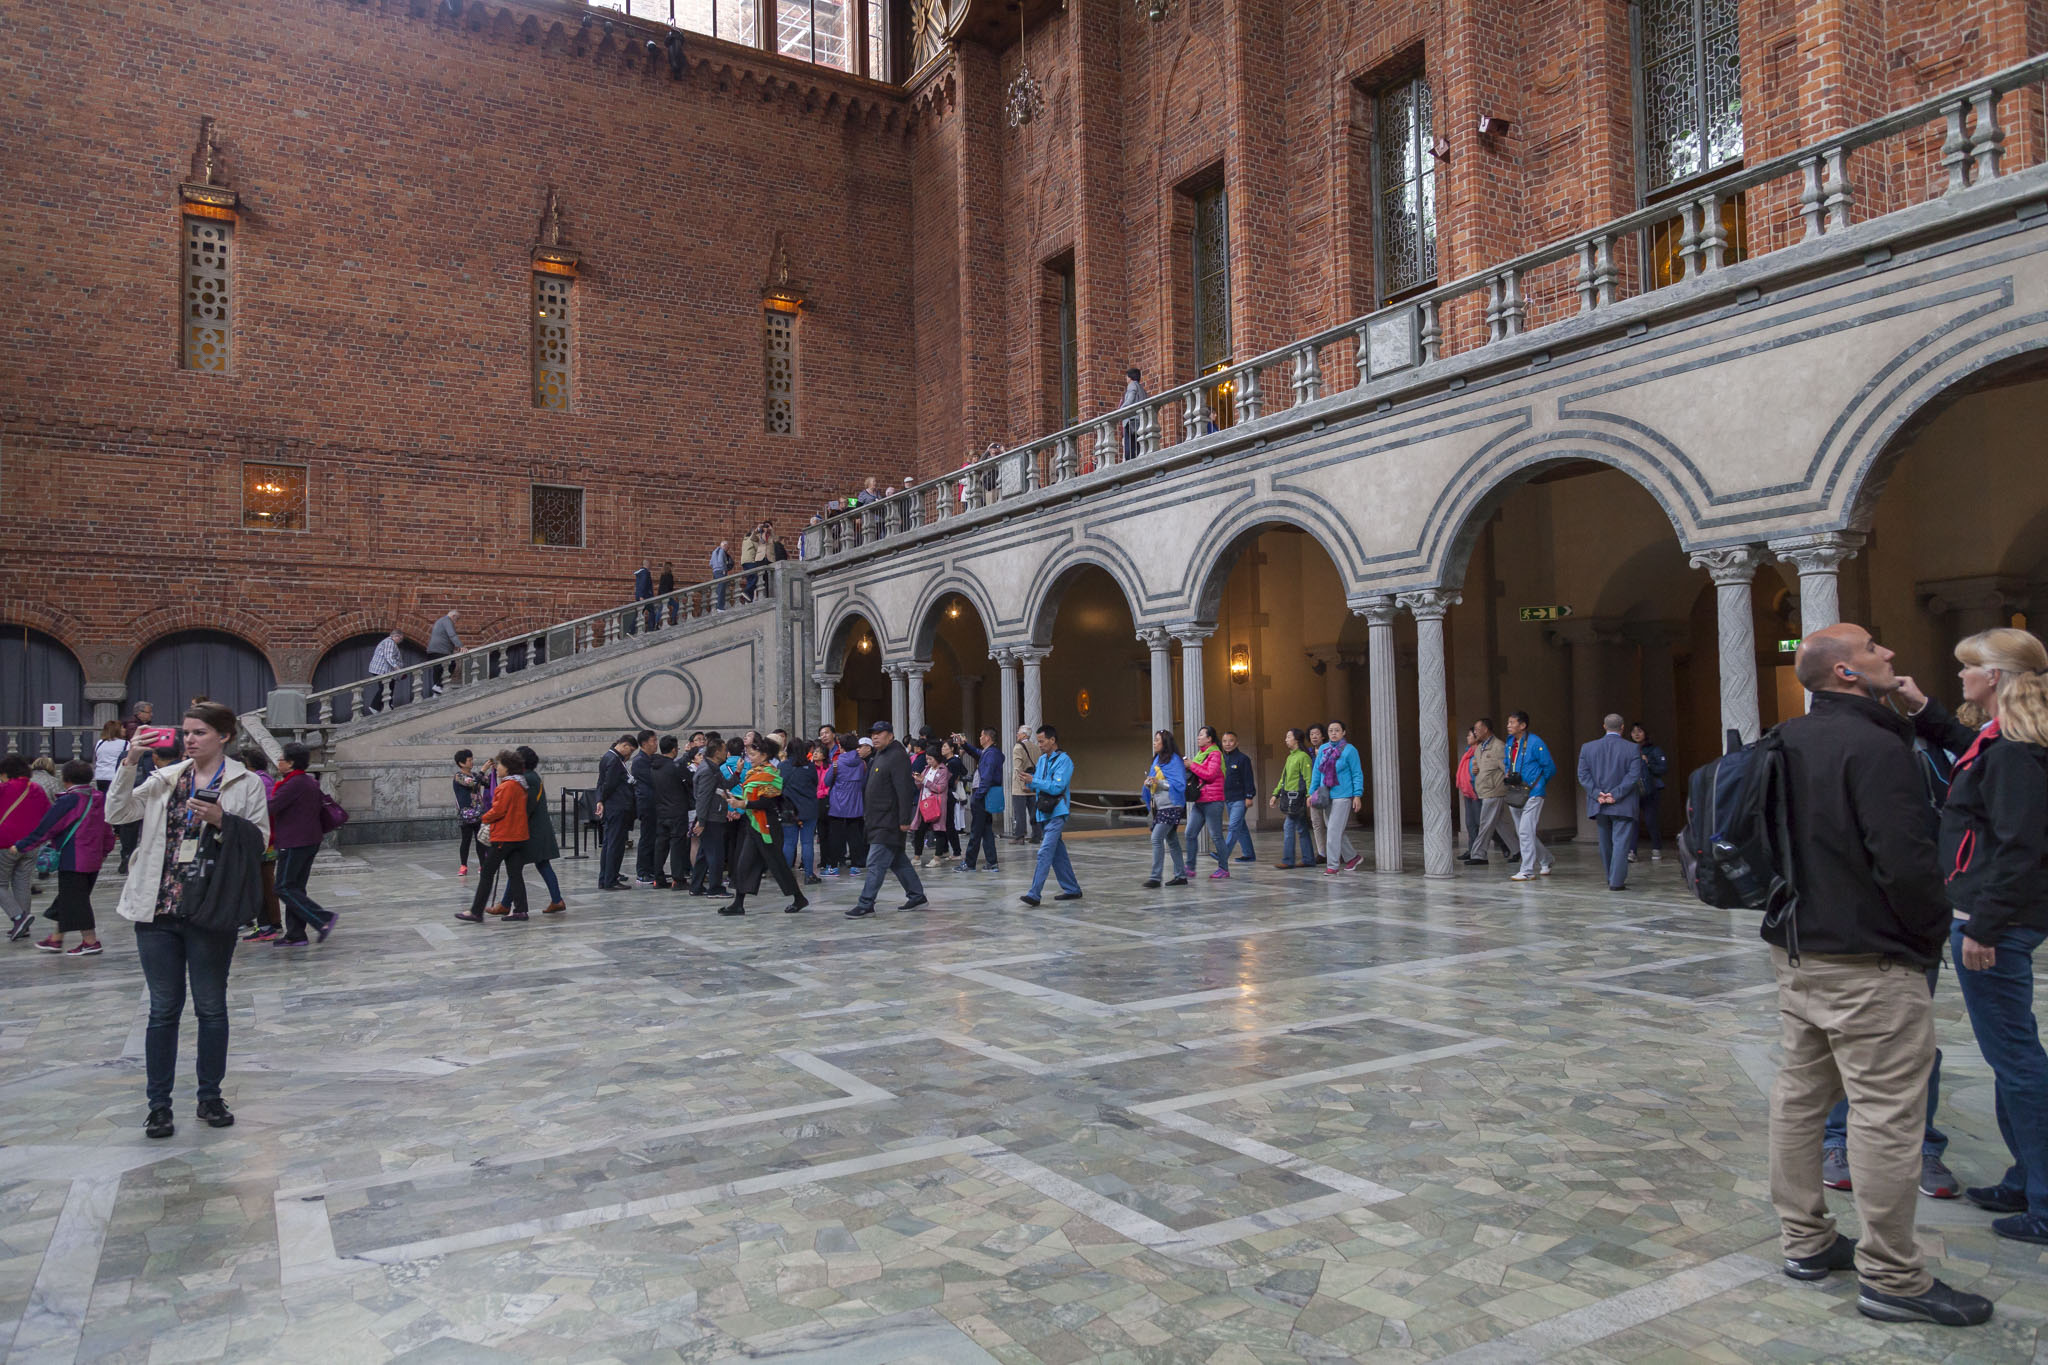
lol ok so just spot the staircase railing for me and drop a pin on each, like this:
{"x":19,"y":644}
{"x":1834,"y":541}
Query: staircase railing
{"x":600,"y":630}
{"x":1435,"y":325}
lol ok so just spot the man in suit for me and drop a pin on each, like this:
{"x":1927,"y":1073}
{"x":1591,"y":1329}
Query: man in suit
{"x":640,"y":768}
{"x":889,"y":806}
{"x":1611,"y":776}
{"x":643,"y":591}
{"x":671,"y":832}
{"x":708,"y":788}
{"x":665,"y":585}
{"x":614,"y":806}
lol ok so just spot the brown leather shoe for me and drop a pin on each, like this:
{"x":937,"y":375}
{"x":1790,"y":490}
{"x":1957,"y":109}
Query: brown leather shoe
{"x":497,"y":909}
{"x":555,"y":908}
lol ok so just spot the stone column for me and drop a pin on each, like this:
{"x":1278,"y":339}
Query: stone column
{"x":1732,"y":567}
{"x":106,"y":699}
{"x":1429,"y":606}
{"x":899,"y":700}
{"x":1965,"y":606}
{"x":1158,"y":640}
{"x":913,"y":681}
{"x":1192,"y":704}
{"x":1006,"y":660}
{"x":828,"y":698}
{"x":1032,"y":658}
{"x":1379,"y":613}
{"x":1819,"y":560}
{"x":970,"y":684}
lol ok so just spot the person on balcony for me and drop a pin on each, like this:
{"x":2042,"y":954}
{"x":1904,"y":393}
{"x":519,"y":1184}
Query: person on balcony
{"x":1134,"y":392}
{"x":665,"y":585}
{"x":643,"y":591}
{"x":440,"y":644}
{"x":384,"y":661}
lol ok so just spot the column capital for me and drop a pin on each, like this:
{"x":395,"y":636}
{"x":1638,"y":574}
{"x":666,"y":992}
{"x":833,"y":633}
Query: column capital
{"x":968,"y":679}
{"x":1031,"y":654}
{"x":1590,"y":630}
{"x":1429,"y":604}
{"x":915,"y":668}
{"x":116,"y":692}
{"x":1822,"y":552}
{"x":1192,"y":632}
{"x":1988,"y":592}
{"x":1377,"y":611}
{"x":1155,"y":637}
{"x":1731,"y":565}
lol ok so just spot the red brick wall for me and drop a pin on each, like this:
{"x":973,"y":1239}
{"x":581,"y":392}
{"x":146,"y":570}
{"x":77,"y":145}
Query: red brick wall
{"x":392,"y":165}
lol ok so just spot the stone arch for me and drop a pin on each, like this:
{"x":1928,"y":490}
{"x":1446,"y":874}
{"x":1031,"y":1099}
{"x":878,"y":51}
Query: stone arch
{"x":851,"y":613}
{"x":1887,"y":423}
{"x":1055,"y":576}
{"x":36,"y":668}
{"x":1227,"y":538}
{"x":1453,"y":527}
{"x":924,"y":621}
{"x":225,"y":666}
{"x":148,"y":629}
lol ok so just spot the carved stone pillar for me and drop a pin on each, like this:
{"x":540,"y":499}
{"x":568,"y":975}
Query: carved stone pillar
{"x":913,"y":680}
{"x":1160,"y":642}
{"x":1732,"y":567}
{"x":970,"y":687}
{"x":828,"y":698}
{"x":1006,"y":661}
{"x":106,"y":699}
{"x":1429,"y":607}
{"x":1033,"y":658}
{"x":1379,"y":614}
{"x":1192,"y":718}
{"x":1819,"y":560}
{"x":899,"y":700}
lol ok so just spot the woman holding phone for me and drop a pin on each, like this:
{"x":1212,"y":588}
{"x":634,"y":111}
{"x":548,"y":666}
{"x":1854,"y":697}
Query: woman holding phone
{"x":176,"y":806}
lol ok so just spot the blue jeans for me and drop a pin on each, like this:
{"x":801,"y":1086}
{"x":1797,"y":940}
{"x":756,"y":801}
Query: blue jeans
{"x":1933,"y":1142}
{"x":801,"y":835}
{"x":1239,"y":837}
{"x":1209,"y":813}
{"x":171,"y":952}
{"x":1295,"y":844}
{"x":1617,"y":837}
{"x":718,"y":594}
{"x":882,"y":860}
{"x":1162,"y":840}
{"x":2000,"y":1000}
{"x":1052,"y":858}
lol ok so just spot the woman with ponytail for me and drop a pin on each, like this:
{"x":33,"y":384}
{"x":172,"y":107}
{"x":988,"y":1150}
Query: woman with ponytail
{"x":1994,"y":853}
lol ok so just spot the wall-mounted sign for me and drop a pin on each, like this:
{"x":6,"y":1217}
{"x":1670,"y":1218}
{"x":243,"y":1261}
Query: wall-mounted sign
{"x":53,"y":715}
{"x":1545,"y":613}
{"x":1788,"y":646}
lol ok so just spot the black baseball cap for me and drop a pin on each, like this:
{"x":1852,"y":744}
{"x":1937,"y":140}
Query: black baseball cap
{"x":881,"y":727}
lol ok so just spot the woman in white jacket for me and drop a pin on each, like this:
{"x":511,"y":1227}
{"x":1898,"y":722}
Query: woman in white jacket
{"x":175,"y":803}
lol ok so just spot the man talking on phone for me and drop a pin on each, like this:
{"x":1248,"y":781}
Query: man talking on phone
{"x":1854,"y":1009}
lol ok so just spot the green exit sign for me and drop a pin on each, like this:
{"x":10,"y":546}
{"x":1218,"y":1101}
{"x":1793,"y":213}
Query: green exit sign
{"x":1788,"y":646}
{"x":1545,"y":613}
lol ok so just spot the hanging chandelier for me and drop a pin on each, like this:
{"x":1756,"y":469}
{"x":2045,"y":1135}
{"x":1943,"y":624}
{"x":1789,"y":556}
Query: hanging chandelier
{"x":1155,"y":10}
{"x":1025,"y":100}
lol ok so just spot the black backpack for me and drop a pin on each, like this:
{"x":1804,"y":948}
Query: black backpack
{"x":1736,"y":847}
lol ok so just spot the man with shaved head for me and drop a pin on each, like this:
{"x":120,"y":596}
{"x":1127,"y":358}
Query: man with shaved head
{"x":1854,"y":1009}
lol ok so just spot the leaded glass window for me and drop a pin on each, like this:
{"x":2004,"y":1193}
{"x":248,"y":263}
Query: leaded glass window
{"x":1212,"y":278}
{"x":1404,"y":181}
{"x":1691,"y":64}
{"x":274,"y":497}
{"x":206,"y":293}
{"x":1070,"y":401}
{"x":557,"y":514}
{"x":778,"y":332}
{"x":551,"y":341}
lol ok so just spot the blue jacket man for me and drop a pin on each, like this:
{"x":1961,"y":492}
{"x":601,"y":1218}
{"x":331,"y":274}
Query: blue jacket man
{"x":1053,"y":777}
{"x":1611,"y":775}
{"x":1528,"y":758}
{"x":988,"y":777}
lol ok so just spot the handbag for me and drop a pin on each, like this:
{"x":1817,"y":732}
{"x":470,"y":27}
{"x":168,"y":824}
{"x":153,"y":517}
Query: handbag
{"x":1293,"y":803}
{"x":332,"y":816}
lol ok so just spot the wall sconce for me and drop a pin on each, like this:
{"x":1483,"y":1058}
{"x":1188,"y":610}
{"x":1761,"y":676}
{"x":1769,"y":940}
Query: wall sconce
{"x":952,"y":611}
{"x":1240,"y":664}
{"x":1083,"y":702}
{"x":864,"y":644}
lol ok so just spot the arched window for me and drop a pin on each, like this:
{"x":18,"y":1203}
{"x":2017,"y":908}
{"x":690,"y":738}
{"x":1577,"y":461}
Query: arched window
{"x":36,"y":670}
{"x":227,"y":668}
{"x":349,"y":662}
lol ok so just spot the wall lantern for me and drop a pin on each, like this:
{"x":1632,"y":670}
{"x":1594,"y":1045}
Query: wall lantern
{"x":1083,"y":702}
{"x":1240,"y":664}
{"x":952,"y":611}
{"x":865,"y":644}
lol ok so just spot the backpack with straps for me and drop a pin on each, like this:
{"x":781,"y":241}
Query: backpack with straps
{"x":1736,"y":847}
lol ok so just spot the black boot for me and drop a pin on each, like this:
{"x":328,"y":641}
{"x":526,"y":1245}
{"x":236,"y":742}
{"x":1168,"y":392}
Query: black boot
{"x":216,"y":1114}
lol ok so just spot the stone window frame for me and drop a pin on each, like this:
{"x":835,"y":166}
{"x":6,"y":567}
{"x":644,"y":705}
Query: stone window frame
{"x":533,"y":491}
{"x":195,"y":222}
{"x":543,"y":280}
{"x":305,"y":480}
{"x":779,"y":410}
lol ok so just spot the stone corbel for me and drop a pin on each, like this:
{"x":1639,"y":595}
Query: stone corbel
{"x":551,"y":255}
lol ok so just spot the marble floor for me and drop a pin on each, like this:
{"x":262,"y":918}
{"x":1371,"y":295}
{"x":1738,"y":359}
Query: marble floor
{"x":1284,"y":1117}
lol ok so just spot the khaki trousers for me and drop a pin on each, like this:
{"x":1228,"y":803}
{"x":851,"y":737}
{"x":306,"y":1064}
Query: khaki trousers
{"x":1861,"y":1027}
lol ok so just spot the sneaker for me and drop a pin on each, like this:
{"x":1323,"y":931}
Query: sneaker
{"x":295,"y":942}
{"x":829,"y":872}
{"x":1997,"y":1198}
{"x":1544,"y":871}
{"x":643,"y":882}
{"x":1221,"y":874}
{"x":1631,"y":857}
{"x":1936,"y":1180}
{"x":333,"y":918}
{"x":1283,"y":866}
{"x":1244,"y":858}
{"x":53,"y":944}
{"x":21,"y":928}
{"x":1351,"y":864}
{"x":216,"y":1114}
{"x":1333,"y":871}
{"x":2022,"y":1227}
{"x":1521,"y":877}
{"x":1656,"y":855}
{"x":462,"y":869}
{"x":809,"y":880}
{"x":914,"y":903}
{"x":1840,"y":1256}
{"x":1940,"y":1304}
{"x":158,"y":1124}
{"x":1834,"y":1168}
{"x":83,"y":950}
{"x":264,"y":933}
{"x":1152,"y":883}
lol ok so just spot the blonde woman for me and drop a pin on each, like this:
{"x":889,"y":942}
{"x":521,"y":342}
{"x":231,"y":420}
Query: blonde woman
{"x":1994,"y":853}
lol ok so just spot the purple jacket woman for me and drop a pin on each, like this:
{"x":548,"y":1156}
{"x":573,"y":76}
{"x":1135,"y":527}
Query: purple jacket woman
{"x":849,"y":781}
